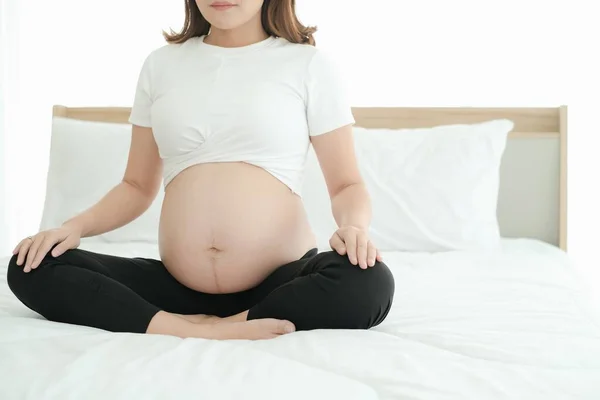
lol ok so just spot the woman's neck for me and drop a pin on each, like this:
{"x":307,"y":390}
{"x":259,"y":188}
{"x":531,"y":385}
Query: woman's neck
{"x":247,"y":34}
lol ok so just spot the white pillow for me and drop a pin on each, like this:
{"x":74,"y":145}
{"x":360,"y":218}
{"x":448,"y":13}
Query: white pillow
{"x":432,"y":189}
{"x":87,"y":159}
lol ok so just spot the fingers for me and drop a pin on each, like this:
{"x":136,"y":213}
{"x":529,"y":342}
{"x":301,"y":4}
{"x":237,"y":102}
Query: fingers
{"x":362,"y":250}
{"x":379,"y":256}
{"x":37,"y":243}
{"x":23,"y":249}
{"x":356,"y":245}
{"x":32,"y":250}
{"x":337,"y":244}
{"x":371,"y":254}
{"x":16,"y":250}
{"x":350,"y":240}
{"x":61,"y":248}
{"x":44,"y":248}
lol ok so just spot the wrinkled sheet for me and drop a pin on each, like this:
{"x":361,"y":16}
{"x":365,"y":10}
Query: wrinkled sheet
{"x":507,"y":325}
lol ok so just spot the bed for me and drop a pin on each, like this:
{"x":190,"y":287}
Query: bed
{"x":513,"y":323}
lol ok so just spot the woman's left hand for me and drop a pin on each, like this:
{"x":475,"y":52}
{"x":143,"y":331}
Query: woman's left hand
{"x":354,"y":242}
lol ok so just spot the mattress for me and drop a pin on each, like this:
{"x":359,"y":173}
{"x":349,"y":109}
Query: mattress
{"x":464,"y":325}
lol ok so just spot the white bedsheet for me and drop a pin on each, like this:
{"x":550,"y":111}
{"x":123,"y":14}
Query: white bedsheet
{"x":512,"y":325}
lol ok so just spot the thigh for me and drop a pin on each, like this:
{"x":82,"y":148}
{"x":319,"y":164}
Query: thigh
{"x":149,"y":279}
{"x":330,"y":293}
{"x":281,"y":276}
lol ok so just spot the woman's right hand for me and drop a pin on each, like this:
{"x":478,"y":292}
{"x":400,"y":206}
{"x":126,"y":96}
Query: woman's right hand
{"x":33,"y":249}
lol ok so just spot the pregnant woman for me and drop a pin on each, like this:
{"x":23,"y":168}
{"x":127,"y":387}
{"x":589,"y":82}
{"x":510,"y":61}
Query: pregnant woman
{"x":223,"y":116}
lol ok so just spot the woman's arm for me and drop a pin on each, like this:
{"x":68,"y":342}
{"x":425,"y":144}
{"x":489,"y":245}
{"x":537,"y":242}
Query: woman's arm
{"x":124,"y":203}
{"x":130,"y":198}
{"x":350,"y":201}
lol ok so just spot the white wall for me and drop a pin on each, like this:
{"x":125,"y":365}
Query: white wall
{"x":394,"y":53}
{"x":4,"y":55}
{"x":87,"y":53}
{"x":3,"y":237}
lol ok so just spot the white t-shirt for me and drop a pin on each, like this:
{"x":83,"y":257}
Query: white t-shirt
{"x":257,"y":104}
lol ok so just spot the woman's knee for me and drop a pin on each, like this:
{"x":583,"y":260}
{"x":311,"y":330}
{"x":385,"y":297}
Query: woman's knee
{"x":368,"y":293}
{"x":20,"y":282}
{"x":15,"y":275}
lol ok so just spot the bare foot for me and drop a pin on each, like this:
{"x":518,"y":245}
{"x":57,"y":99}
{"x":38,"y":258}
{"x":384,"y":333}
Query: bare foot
{"x":164,"y":323}
{"x":211,"y":319}
{"x":256,"y":329}
{"x":200,"y":318}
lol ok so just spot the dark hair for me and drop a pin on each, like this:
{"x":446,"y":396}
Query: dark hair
{"x":278,"y":19}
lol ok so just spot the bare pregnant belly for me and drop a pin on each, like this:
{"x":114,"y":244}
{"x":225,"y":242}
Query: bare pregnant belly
{"x":225,"y":227}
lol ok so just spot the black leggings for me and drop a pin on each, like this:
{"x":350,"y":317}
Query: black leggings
{"x":319,"y":291}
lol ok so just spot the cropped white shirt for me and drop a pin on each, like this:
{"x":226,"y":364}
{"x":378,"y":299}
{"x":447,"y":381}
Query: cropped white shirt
{"x":257,"y":104}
